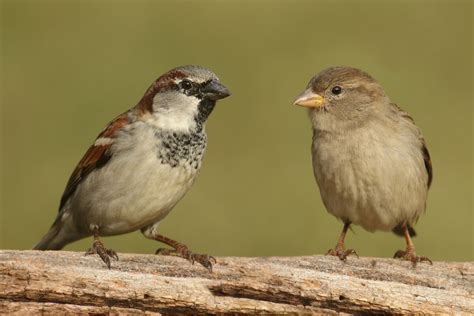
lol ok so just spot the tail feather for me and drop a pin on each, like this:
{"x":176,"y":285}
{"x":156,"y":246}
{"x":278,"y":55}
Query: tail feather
{"x":61,"y":233}
{"x":50,"y":240}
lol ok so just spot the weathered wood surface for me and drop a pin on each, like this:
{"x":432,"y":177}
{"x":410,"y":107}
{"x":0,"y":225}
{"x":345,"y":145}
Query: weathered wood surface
{"x":59,"y":282}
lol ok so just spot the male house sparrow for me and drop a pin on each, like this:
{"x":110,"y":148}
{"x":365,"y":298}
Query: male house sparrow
{"x":140,"y":166}
{"x":369,"y":158}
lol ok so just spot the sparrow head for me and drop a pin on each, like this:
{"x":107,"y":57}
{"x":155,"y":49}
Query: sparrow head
{"x":342,"y":92}
{"x":184,"y":97}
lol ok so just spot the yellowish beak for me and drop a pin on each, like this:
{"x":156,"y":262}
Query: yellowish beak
{"x":309,"y":99}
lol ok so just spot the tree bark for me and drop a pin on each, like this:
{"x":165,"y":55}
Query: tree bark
{"x":69,"y":282}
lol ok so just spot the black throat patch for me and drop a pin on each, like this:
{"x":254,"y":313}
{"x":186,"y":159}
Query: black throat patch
{"x":205,"y":108}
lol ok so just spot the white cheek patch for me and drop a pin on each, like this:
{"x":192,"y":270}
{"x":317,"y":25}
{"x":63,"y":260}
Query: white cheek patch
{"x":178,"y":116}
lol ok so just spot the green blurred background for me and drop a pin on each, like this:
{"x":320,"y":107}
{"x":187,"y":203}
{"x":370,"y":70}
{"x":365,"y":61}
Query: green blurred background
{"x":68,"y":67}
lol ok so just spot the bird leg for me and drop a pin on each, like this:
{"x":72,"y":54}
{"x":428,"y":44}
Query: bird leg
{"x":410,"y":254}
{"x":98,"y":248}
{"x":182,"y":251}
{"x":339,"y":251}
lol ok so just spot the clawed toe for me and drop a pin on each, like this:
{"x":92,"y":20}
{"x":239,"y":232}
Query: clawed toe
{"x":112,"y":254}
{"x":339,"y":251}
{"x":399,"y":254}
{"x":104,"y":253}
{"x":181,"y":252}
{"x":205,"y":260}
{"x":212,"y":259}
{"x":165,"y":252}
{"x":410,"y":255}
{"x":342,"y":253}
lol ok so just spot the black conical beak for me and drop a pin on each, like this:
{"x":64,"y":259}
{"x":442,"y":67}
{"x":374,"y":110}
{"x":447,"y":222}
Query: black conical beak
{"x":214,"y":90}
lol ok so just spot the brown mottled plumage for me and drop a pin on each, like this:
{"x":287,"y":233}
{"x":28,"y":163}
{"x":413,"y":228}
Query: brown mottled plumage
{"x":140,"y":166}
{"x":370,"y":160}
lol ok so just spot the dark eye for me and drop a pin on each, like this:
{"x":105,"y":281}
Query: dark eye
{"x":336,"y":90}
{"x":186,"y":84}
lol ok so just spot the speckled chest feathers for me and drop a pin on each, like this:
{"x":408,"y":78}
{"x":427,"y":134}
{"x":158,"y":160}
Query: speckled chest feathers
{"x":181,"y":148}
{"x":185,"y":148}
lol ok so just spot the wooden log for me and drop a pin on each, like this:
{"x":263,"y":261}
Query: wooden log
{"x":53,"y":282}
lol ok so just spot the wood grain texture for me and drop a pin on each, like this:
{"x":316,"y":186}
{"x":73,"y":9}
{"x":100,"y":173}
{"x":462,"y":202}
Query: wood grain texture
{"x":57,"y":282}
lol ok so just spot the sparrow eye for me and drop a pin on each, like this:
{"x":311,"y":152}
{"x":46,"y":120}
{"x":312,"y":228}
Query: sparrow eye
{"x":186,"y":84}
{"x":336,"y":90}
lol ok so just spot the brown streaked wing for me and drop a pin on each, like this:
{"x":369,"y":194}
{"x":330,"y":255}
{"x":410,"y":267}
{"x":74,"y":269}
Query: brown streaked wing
{"x":96,"y":157}
{"x":424,"y":149}
{"x":428,"y":165}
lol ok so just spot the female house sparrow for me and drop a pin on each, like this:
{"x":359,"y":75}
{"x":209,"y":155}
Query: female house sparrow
{"x":369,"y":158}
{"x":140,"y":166}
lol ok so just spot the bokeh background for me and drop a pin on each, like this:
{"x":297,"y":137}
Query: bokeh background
{"x":68,"y":67}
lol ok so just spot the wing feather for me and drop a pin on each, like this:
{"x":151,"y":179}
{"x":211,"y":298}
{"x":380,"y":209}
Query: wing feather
{"x":96,"y":156}
{"x":423,"y":148}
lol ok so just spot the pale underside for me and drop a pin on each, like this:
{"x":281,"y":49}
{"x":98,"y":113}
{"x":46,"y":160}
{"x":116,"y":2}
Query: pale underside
{"x":133,"y":190}
{"x":373,"y":177}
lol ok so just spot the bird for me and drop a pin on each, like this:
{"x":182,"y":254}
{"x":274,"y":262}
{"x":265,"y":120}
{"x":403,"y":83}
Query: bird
{"x":370,"y":160}
{"x":140,"y":166}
